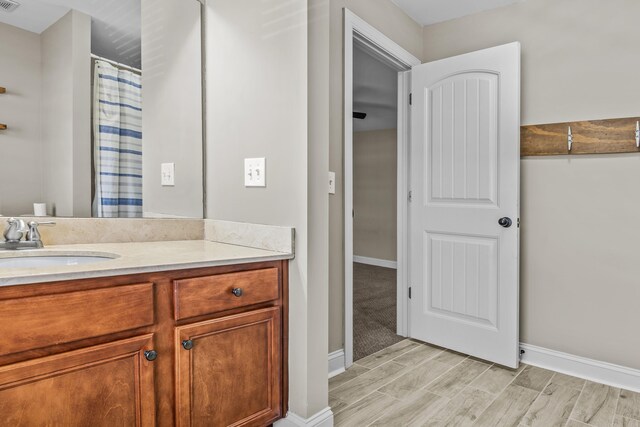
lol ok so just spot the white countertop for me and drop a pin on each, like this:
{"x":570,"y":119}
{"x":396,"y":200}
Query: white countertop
{"x":133,"y":258}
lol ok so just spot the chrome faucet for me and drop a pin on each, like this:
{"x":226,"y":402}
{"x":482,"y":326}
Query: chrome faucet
{"x":16,"y":229}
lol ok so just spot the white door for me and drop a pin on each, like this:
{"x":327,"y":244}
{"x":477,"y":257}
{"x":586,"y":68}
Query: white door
{"x":465,"y":181}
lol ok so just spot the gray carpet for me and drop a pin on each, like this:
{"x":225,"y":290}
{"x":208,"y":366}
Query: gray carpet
{"x":374,"y":309}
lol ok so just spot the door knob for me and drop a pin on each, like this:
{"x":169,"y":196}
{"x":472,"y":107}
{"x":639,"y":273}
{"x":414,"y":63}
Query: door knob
{"x":505,"y":222}
{"x":187,"y":344}
{"x":237,"y":292}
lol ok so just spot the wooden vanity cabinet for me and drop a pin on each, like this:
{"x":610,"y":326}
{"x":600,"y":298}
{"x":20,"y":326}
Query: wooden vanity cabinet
{"x":236,"y":354}
{"x":201,"y":347}
{"x":229,"y":370}
{"x":105,"y":385}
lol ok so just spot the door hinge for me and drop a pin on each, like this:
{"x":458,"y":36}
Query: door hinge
{"x":409,"y":292}
{"x":410,"y":99}
{"x":518,"y":222}
{"x":353,"y":213}
{"x":410,"y":196}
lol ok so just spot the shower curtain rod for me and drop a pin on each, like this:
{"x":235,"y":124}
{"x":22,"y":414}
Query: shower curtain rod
{"x":117,"y":64}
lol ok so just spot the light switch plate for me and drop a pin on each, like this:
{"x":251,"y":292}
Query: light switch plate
{"x":168,"y":174}
{"x":255,"y":172}
{"x":332,"y":183}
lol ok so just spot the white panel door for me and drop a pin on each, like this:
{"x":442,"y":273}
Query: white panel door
{"x":465,"y":181}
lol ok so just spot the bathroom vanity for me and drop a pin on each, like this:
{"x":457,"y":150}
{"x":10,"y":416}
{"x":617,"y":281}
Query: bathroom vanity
{"x":147,"y":339}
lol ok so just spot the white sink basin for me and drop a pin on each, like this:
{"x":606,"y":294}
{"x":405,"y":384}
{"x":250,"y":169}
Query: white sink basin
{"x":51,"y":259}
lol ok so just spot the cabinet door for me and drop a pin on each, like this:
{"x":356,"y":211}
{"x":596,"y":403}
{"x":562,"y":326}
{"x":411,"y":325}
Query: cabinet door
{"x":105,"y":385}
{"x":229,"y":370}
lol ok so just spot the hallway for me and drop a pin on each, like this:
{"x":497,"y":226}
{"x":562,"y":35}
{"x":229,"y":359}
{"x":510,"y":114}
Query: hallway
{"x":374,"y":309}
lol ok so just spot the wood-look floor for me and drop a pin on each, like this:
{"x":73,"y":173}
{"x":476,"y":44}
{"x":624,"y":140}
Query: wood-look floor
{"x":414,"y":384}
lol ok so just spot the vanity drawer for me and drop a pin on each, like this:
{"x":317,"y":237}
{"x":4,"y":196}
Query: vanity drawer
{"x":41,"y":321}
{"x":210,"y":294}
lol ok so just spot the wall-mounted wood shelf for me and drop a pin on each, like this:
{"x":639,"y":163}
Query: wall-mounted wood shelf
{"x":2,"y":90}
{"x":589,"y":137}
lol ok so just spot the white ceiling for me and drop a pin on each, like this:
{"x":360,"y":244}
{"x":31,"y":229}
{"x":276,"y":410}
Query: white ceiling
{"x":375,"y":92}
{"x":427,"y":12}
{"x":115,"y":24}
{"x":33,"y":15}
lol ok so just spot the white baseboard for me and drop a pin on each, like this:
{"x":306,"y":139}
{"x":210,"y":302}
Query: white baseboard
{"x":375,"y":261}
{"x":336,"y":363}
{"x":323,"y":418}
{"x":593,"y":370}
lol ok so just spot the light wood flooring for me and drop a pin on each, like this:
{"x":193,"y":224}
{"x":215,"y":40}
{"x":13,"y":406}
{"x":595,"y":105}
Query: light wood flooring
{"x":414,"y":384}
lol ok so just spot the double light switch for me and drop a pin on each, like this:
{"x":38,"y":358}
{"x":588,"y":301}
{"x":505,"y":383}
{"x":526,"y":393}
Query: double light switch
{"x":254,"y":172}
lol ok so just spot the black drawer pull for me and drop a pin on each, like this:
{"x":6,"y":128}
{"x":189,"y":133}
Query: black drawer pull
{"x":150,"y":355}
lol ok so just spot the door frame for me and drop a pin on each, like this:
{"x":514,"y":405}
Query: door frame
{"x":357,"y":31}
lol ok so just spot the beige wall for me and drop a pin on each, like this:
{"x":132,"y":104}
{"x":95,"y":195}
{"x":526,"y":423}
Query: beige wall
{"x":20,"y":144}
{"x":81,"y":115}
{"x":48,"y":112}
{"x":172,"y":106}
{"x":66,"y":115}
{"x":375,"y":194}
{"x":318,"y":109}
{"x":579,"y":233}
{"x":395,"y":24}
{"x":257,"y":106}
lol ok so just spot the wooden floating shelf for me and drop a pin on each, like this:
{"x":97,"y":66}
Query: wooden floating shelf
{"x":589,"y":137}
{"x":3,"y":127}
{"x":2,"y":90}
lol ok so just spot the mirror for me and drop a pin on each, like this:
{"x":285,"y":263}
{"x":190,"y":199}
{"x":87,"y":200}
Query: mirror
{"x":102,"y":102}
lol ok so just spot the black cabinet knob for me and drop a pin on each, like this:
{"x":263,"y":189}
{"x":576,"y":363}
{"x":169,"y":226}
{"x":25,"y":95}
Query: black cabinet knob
{"x":187,"y":344}
{"x":505,"y":222}
{"x":237,"y":292}
{"x":150,"y":355}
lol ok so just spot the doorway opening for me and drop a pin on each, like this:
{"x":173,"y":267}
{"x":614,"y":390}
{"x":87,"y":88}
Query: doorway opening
{"x":376,"y":288}
{"x":375,"y":119}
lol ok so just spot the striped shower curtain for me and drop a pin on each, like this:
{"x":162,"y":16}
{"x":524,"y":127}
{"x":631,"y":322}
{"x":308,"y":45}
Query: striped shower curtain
{"x":117,"y":130}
